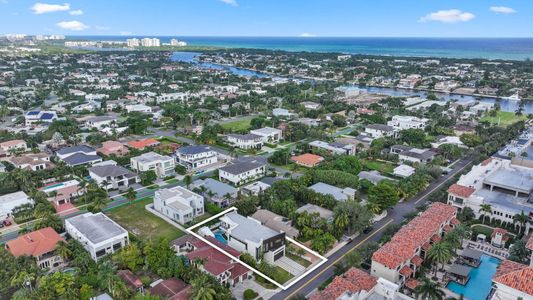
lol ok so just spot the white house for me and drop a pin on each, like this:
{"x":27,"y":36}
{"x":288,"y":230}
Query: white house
{"x":179,"y":204}
{"x":196,"y":157}
{"x":97,"y":233}
{"x":10,"y":201}
{"x":268,"y":134}
{"x":282,"y":112}
{"x":380,"y":130}
{"x":243,"y":170}
{"x":162,"y":165}
{"x":246,"y":141}
{"x":100,"y":122}
{"x":403,"y":171}
{"x":111,"y":176}
{"x":334,"y":148}
{"x":40,"y":116}
{"x":249,"y":235}
{"x":14,"y":145}
{"x":138,"y":108}
{"x":408,"y":122}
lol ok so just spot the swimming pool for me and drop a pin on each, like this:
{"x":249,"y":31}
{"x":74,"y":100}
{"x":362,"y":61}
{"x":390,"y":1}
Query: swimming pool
{"x":53,"y":186}
{"x":480,"y":283}
{"x":220,"y":237}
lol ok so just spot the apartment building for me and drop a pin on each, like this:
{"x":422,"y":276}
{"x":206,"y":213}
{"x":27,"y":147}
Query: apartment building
{"x":400,"y":259}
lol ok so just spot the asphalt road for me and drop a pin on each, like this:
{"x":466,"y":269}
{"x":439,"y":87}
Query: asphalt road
{"x":395,"y":216}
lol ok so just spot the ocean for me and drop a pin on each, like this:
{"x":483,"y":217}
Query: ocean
{"x":485,"y":48}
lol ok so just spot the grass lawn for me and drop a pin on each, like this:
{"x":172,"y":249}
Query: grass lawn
{"x":239,"y":125}
{"x":380,"y":166}
{"x":137,"y":220}
{"x":504,"y":118}
{"x":296,"y":258}
{"x":171,"y":181}
{"x":281,"y":276}
{"x":487,"y":231}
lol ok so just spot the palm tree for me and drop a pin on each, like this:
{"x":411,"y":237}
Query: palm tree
{"x":187,"y":180}
{"x":202,"y":289}
{"x":374,"y":207}
{"x":453,"y":239}
{"x":341,"y":221}
{"x":440,"y":253}
{"x":130,"y":194}
{"x":98,"y":204}
{"x":521,"y":219}
{"x":23,"y":278}
{"x":485,"y":209}
{"x":428,"y":290}
{"x":63,"y":250}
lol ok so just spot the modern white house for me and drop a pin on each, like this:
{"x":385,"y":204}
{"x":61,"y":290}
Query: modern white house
{"x":97,"y":233}
{"x":100,"y":122}
{"x":246,"y":141}
{"x":138,"y":108}
{"x":9,"y":201}
{"x":413,"y":155}
{"x":243,"y":170}
{"x":179,"y":204}
{"x":268,"y":134}
{"x":111,"y":176}
{"x":162,"y":165}
{"x":403,"y":171}
{"x":196,"y":157}
{"x":380,"y":130}
{"x":505,"y":185}
{"x":249,"y":235}
{"x":408,"y":122}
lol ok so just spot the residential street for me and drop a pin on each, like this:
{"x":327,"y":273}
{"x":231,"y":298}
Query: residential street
{"x":395,"y":216}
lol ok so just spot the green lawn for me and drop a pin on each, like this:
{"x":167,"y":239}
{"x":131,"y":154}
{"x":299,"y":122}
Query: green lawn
{"x":140,"y":222}
{"x":382,"y":167}
{"x":281,"y":276}
{"x":503,"y":118}
{"x":298,"y":259}
{"x":240,"y":125}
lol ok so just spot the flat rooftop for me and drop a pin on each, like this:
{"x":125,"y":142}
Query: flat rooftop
{"x":248,"y":229}
{"x":517,"y":179}
{"x":96,"y":227}
{"x":506,"y":201}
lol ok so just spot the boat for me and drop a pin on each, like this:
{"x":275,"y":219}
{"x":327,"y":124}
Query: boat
{"x":514,"y":97}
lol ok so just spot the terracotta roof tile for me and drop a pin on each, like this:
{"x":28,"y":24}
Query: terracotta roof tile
{"x":35,"y":243}
{"x":412,"y":283}
{"x":307,"y":159}
{"x":402,"y":247}
{"x":461,"y":190}
{"x":417,"y":260}
{"x":141,"y":144}
{"x":406,"y":271}
{"x":529,"y":244}
{"x":516,"y":276}
{"x":354,"y":280}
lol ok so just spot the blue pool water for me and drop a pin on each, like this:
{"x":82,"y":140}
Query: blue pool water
{"x":53,"y":186}
{"x":220,"y":237}
{"x":479,"y":285}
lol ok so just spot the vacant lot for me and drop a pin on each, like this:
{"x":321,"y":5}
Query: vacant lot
{"x":140,"y":222}
{"x":380,"y":166}
{"x":237,"y":126}
{"x":504,"y":118}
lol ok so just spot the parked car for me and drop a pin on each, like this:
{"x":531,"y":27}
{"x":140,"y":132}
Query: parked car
{"x":368,"y":229}
{"x":6,"y":223}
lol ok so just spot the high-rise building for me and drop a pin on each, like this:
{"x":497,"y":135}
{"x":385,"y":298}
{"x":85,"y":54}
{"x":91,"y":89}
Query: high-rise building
{"x":178,"y":43}
{"x":133,"y":42}
{"x":150,"y":42}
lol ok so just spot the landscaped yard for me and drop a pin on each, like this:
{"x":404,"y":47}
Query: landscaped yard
{"x":503,"y":118}
{"x":298,"y":259}
{"x":140,"y":222}
{"x":380,"y":166}
{"x":239,"y":125}
{"x":280,"y":276}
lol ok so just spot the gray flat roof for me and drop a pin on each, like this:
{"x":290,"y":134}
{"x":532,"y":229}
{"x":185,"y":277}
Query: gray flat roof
{"x":506,"y":201}
{"x":460,"y":270}
{"x":513,"y":178}
{"x":218,"y":188}
{"x":249,"y":229}
{"x":472,"y":253}
{"x":96,"y":227}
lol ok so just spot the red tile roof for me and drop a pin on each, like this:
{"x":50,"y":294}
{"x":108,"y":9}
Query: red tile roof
{"x":455,"y":221}
{"x":308,"y":159}
{"x":516,"y":276}
{"x":417,"y":260}
{"x":406,"y":271}
{"x":353,"y":281}
{"x":447,"y":228}
{"x":173,"y":289}
{"x":415,"y":234}
{"x":130,"y":279}
{"x":461,"y":190}
{"x":35,"y":243}
{"x":141,"y":144}
{"x":486,"y":161}
{"x":214,"y":261}
{"x":412,"y":283}
{"x":436,"y":238}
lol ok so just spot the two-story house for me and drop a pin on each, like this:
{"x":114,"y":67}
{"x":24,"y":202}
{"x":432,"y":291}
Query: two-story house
{"x":162,"y":165}
{"x":41,"y":245}
{"x":196,"y":157}
{"x":179,"y":204}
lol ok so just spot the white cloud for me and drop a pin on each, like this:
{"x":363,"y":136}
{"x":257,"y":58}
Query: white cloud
{"x":72,"y":25}
{"x":77,"y":12}
{"x":230,"y":2}
{"x":125,"y":33}
{"x":43,"y":8}
{"x":448,"y":16}
{"x":502,"y":10}
{"x":102,"y":27}
{"x":307,"y":34}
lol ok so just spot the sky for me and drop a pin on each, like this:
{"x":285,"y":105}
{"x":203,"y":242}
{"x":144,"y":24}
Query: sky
{"x":305,"y":18}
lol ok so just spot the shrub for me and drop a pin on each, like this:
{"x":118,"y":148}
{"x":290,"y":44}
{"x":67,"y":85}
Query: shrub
{"x":249,"y":294}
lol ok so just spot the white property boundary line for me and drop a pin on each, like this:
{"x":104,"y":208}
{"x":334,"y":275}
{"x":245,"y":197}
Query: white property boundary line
{"x":190,"y":230}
